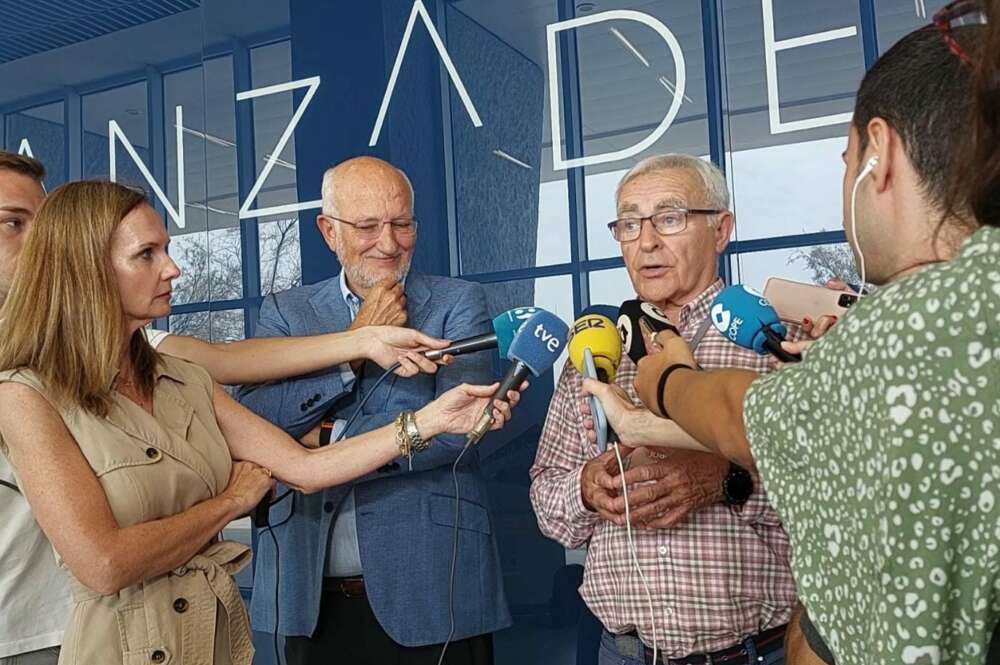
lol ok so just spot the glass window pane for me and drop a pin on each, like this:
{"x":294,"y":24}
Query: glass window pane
{"x":280,"y":258}
{"x":270,"y":65}
{"x":628,"y":83}
{"x":127,"y":106}
{"x":788,"y":189}
{"x":786,"y":145}
{"x":896,"y":18}
{"x":219,"y":326}
{"x":815,"y":264}
{"x":207,"y":249}
{"x":610,"y":287}
{"x":511,"y":208}
{"x":41,"y":133}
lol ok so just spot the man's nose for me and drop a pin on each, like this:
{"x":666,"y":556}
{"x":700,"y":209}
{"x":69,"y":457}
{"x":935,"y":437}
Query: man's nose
{"x":649,"y":239}
{"x":387,"y":243}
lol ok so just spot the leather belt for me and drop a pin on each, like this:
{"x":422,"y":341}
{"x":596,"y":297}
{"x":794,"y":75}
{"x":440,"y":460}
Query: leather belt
{"x":765,"y":642}
{"x":349,"y":587}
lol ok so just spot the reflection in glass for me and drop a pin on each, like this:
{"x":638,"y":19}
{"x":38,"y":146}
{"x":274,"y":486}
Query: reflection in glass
{"x":127,"y":106}
{"x":628,"y":79}
{"x":815,"y":264}
{"x":511,"y":208}
{"x":219,"y":326}
{"x":40,"y":132}
{"x":280,"y":257}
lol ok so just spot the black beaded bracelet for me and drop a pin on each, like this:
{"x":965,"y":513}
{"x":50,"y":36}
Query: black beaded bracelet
{"x":662,"y":383}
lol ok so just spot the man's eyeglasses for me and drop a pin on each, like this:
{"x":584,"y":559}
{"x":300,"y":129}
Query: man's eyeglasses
{"x":371,"y":228}
{"x":665,"y":222}
{"x":956,"y":14}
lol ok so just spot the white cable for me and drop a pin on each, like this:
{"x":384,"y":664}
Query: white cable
{"x":632,"y":552}
{"x":854,"y":223}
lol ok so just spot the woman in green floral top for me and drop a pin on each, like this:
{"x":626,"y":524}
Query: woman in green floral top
{"x":881,"y":450}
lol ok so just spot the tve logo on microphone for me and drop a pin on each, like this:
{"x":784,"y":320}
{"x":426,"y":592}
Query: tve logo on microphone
{"x":552,"y":340}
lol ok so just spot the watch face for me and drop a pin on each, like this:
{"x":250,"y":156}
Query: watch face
{"x":738,"y":486}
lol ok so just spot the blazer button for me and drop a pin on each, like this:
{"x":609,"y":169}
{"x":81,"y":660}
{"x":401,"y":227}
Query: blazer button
{"x":302,"y":407}
{"x":316,"y":397}
{"x":158,"y":656}
{"x":152,"y":453}
{"x":181,"y":605}
{"x":328,"y":507}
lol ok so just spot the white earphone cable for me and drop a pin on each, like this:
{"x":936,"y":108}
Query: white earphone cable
{"x":632,"y":552}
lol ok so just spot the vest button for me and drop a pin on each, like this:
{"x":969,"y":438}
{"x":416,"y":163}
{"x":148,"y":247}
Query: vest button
{"x":157,"y":656}
{"x":152,"y":453}
{"x":181,"y":605}
{"x":328,"y":507}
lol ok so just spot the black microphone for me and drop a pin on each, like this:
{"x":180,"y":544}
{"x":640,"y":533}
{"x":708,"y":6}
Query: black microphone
{"x":630,"y":314}
{"x":505,"y":326}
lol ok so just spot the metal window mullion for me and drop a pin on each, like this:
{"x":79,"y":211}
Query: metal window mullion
{"x":246,"y":168}
{"x":569,"y":78}
{"x":869,"y":31}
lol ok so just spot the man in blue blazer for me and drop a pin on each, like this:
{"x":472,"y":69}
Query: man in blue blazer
{"x":364,"y":567}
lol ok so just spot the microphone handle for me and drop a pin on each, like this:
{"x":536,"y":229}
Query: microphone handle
{"x":517,"y":374}
{"x":772,"y":344}
{"x":471,"y":345}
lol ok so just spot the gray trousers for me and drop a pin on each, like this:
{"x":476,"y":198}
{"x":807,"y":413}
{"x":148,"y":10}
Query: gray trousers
{"x":41,"y":657}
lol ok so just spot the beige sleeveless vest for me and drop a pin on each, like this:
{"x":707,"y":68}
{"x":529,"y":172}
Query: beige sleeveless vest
{"x":150,"y":468}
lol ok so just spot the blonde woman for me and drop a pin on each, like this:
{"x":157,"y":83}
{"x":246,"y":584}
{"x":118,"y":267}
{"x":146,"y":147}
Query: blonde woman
{"x":133,"y":462}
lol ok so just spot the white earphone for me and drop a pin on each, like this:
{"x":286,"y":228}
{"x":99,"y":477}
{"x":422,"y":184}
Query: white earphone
{"x":869,"y":167}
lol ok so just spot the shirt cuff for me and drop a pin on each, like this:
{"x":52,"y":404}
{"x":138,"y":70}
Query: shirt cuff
{"x":575,"y":504}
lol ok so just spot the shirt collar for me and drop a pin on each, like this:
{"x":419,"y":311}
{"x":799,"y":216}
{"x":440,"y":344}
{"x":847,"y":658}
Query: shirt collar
{"x":697,"y":310}
{"x":351,"y":298}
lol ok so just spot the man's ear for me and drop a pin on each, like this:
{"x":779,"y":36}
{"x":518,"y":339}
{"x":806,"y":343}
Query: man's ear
{"x":328,"y":229}
{"x":883,"y":142}
{"x":724,"y":230}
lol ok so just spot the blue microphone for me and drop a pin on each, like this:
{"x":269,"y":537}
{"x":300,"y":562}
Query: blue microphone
{"x":747,"y":319}
{"x":504,"y":327}
{"x":536,"y":347}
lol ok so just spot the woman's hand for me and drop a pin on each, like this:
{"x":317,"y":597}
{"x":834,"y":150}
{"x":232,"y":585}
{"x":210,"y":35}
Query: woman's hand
{"x":248,"y":484}
{"x":674,"y":351}
{"x":387,"y":345}
{"x":456,"y":411}
{"x":617,"y":406}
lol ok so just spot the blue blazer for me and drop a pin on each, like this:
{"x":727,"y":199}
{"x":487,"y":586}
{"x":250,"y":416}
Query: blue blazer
{"x":405,"y":519}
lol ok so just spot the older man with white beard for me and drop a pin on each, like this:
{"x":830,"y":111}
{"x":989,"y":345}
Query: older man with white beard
{"x":364,"y":568}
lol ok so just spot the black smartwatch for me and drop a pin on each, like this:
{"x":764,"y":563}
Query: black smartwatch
{"x":737,"y":486}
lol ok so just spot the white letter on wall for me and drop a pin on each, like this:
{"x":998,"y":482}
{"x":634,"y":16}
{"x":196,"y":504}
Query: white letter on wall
{"x":25,"y":148}
{"x":312,"y":83}
{"x":558,"y":163}
{"x":115,"y":132}
{"x":419,"y":9}
{"x":771,"y":48}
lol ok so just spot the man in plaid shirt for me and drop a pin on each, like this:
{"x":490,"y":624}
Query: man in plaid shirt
{"x":712,"y":550}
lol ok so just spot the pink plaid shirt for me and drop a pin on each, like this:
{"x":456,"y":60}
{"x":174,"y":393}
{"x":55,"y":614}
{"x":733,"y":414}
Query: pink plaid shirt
{"x":716,"y":578}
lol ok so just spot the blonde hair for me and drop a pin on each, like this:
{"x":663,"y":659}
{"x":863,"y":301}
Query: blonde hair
{"x":64,"y":318}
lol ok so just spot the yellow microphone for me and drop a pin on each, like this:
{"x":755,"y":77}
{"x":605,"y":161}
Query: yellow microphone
{"x":600,"y":336}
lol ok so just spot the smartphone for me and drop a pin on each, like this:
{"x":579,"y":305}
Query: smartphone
{"x":796,"y":301}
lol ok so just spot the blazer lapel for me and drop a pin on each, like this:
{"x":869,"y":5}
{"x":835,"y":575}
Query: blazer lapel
{"x":331,"y":311}
{"x":418,"y":294}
